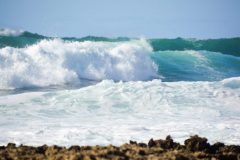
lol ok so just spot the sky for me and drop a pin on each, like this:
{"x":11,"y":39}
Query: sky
{"x":126,"y":18}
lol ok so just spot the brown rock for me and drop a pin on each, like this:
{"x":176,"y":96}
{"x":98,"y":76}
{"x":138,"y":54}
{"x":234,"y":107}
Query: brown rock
{"x":132,"y":142}
{"x":11,"y":145}
{"x":151,"y":143}
{"x":142,"y":145}
{"x":41,"y":149}
{"x":75,"y":148}
{"x":216,"y":147}
{"x":195,"y":148}
{"x":196,"y":143}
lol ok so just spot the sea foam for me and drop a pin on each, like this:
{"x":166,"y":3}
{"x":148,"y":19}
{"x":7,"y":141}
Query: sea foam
{"x":115,"y":112}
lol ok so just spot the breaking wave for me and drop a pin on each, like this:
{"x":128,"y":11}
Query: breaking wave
{"x":55,"y":62}
{"x":31,"y":60}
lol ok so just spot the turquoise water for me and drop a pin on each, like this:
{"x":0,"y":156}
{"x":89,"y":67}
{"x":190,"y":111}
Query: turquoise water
{"x":196,"y":65}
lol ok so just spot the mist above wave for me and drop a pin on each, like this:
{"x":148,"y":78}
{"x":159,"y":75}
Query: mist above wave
{"x":10,"y":32}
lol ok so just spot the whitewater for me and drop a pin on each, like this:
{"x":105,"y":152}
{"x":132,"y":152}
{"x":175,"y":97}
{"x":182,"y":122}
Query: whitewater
{"x":107,"y":91}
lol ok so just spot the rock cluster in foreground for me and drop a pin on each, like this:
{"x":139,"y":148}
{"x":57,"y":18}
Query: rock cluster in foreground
{"x":194,"y":148}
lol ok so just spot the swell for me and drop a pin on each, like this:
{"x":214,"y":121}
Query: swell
{"x":225,"y":45}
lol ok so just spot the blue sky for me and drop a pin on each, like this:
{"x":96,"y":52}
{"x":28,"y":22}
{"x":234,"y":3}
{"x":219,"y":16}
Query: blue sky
{"x":132,"y":18}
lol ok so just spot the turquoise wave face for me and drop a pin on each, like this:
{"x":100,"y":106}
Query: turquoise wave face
{"x":193,"y":65}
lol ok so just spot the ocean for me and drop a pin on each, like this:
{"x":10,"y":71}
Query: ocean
{"x":100,"y":91}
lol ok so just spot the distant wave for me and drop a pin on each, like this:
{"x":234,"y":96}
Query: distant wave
{"x":231,"y":46}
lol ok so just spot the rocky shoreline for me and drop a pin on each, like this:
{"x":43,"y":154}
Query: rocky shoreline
{"x":194,"y":147}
